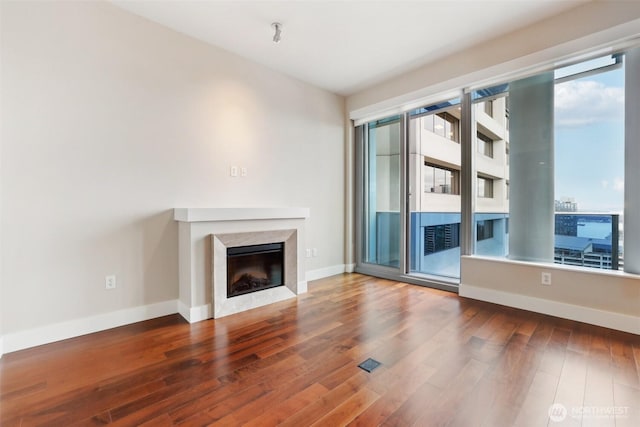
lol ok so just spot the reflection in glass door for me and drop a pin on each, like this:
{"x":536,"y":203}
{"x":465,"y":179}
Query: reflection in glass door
{"x":434,"y":184}
{"x":382,"y":186}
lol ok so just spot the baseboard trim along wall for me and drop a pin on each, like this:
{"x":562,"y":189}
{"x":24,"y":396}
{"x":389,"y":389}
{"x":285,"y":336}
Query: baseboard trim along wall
{"x":593,"y":316}
{"x":321,"y":273}
{"x":195,"y":314}
{"x":74,"y":328}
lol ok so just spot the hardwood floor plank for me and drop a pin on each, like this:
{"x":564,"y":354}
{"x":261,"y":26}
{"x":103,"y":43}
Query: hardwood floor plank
{"x":445,"y":360}
{"x":540,"y":396}
{"x":636,"y":355}
{"x":441,"y":410}
{"x":349,"y":409}
{"x":599,"y":381}
{"x":555,"y":351}
{"x":514,"y":378}
{"x":413,"y":408}
{"x":280,"y":412}
{"x":328,"y":402}
{"x":571,"y":386}
{"x":624,"y":366}
{"x":399,"y":389}
{"x":627,"y":405}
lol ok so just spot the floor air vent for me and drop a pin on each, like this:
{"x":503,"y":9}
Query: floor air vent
{"x":369,"y":365}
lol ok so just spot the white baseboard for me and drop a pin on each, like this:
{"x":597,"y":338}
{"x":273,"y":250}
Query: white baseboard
{"x":74,"y":328}
{"x":349,"y":268}
{"x":184,"y":311}
{"x":302,"y":287}
{"x":321,"y":273}
{"x":1,"y":348}
{"x":593,"y":316}
{"x":194,"y":314}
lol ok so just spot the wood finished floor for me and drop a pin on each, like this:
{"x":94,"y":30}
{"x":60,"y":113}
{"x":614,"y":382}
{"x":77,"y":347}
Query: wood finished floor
{"x":445,"y":361}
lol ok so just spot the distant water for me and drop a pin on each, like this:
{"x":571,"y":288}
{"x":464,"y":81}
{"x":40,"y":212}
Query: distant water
{"x":594,"y":230}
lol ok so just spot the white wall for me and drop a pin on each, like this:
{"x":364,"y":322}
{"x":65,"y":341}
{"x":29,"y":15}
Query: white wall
{"x":111,"y":121}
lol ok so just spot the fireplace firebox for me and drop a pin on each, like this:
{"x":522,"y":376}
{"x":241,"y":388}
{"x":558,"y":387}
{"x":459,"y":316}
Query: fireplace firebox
{"x":254,"y":268}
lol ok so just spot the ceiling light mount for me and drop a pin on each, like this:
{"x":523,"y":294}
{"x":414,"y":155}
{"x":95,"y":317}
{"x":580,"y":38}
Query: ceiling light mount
{"x":277,"y":28}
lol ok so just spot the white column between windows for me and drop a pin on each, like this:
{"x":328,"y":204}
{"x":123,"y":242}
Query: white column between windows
{"x":531,"y":200}
{"x":631,"y":168}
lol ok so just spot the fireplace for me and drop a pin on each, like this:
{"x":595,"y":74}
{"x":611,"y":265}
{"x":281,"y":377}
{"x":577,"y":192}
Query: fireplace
{"x":205,"y":234}
{"x":254,"y":268}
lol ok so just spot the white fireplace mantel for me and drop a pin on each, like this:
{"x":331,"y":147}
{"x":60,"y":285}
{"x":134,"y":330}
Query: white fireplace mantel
{"x":199,"y":299}
{"x":237,"y":214}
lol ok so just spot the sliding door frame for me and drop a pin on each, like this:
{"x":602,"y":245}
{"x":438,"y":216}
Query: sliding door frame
{"x":402,"y":272}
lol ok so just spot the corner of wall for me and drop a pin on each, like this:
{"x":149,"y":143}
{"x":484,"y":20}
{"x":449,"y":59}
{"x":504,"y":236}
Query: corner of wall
{"x":184,"y":311}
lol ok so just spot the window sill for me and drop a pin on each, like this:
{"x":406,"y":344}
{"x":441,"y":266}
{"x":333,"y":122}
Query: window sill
{"x":557,"y":267}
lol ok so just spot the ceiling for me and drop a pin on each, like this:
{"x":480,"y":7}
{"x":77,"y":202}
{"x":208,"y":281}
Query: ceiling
{"x":345,"y":46}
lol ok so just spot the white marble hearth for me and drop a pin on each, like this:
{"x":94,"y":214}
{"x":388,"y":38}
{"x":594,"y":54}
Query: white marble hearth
{"x":204,"y":236}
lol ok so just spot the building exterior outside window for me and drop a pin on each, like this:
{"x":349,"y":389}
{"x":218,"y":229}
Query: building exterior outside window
{"x":485,"y":188}
{"x":484,"y":229}
{"x":438,"y":238}
{"x":485,"y":145}
{"x":443,"y":124}
{"x":488,"y":108}
{"x":441,"y":180}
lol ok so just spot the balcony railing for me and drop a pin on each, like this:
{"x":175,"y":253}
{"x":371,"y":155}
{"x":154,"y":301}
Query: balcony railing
{"x":592,"y":240}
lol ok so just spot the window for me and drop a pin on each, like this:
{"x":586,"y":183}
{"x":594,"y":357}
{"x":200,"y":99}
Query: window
{"x":485,"y":187}
{"x":562,"y":150}
{"x":444,"y":125}
{"x":556,"y":131}
{"x":440,"y":180}
{"x":488,"y":108}
{"x":439,"y":238}
{"x":484,"y":230}
{"x":485,"y":144}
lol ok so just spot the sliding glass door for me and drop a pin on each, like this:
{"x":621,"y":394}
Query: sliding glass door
{"x":381,"y":152}
{"x":434,"y":139}
{"x":408,"y":172}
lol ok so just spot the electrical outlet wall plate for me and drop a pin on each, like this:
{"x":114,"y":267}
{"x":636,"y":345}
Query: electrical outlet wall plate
{"x":110,"y":282}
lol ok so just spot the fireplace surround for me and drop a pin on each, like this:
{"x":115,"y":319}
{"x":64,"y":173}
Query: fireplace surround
{"x":205,"y":235}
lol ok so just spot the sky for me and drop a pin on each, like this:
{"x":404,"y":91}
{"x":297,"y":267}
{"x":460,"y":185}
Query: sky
{"x":589,"y":141}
